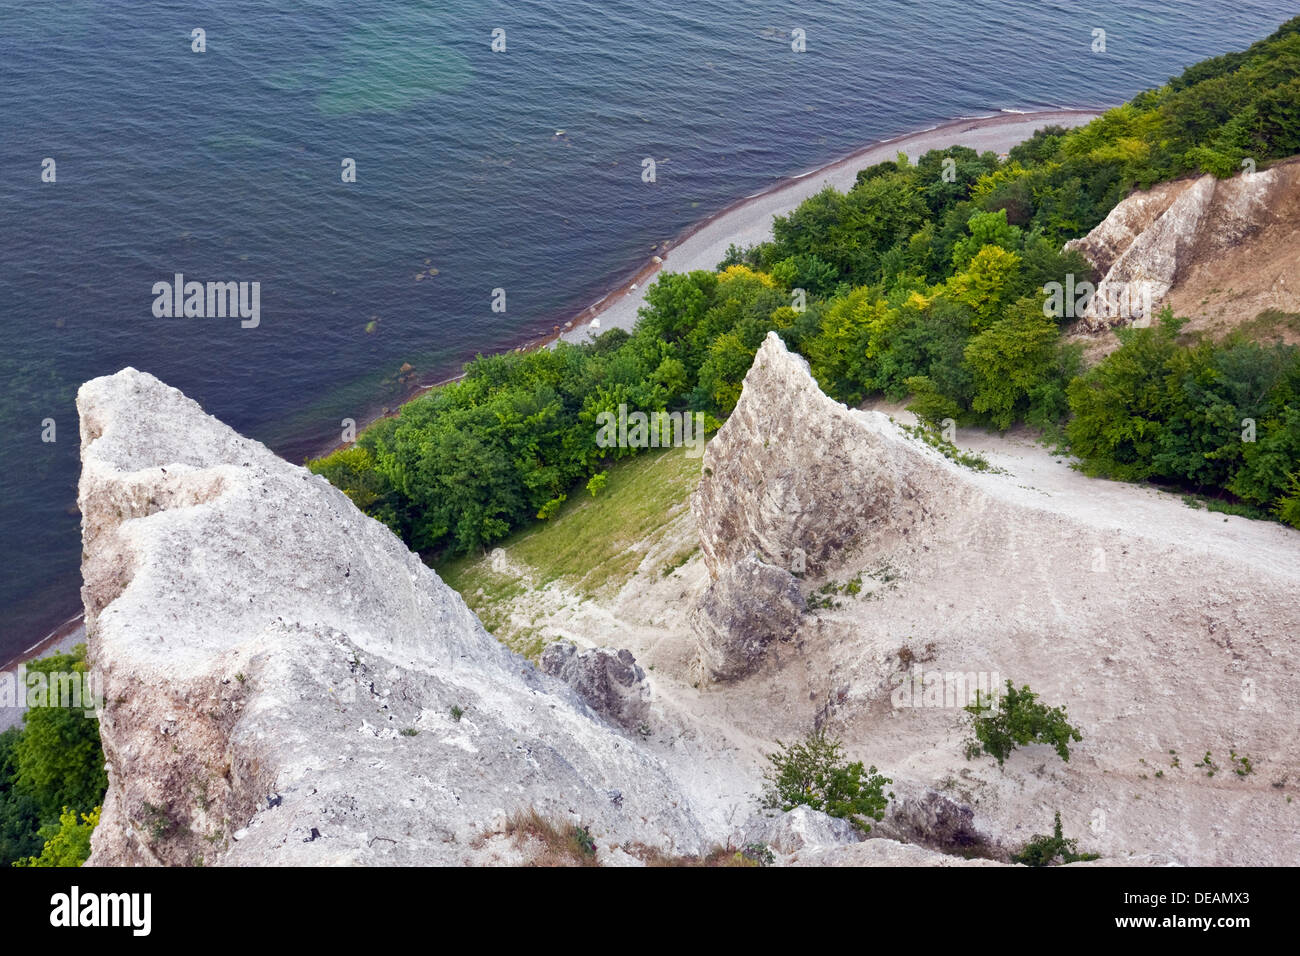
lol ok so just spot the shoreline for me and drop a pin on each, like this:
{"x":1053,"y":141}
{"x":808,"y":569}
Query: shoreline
{"x":748,"y":220}
{"x":744,"y":222}
{"x":752,"y":214}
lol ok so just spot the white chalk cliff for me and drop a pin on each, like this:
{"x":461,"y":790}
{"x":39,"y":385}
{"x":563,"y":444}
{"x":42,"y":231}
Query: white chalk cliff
{"x":280,"y":671}
{"x":1200,"y":233}
{"x":1166,"y":632}
{"x":264,"y":646}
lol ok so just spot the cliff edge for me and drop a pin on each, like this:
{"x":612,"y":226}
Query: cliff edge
{"x":285,"y":683}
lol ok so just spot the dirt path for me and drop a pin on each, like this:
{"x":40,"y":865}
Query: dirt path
{"x":1045,"y":480}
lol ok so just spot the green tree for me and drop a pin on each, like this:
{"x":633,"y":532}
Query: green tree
{"x":352,"y":470}
{"x":987,"y":284}
{"x":58,"y":759}
{"x":986,"y":229}
{"x":68,"y":843}
{"x":814,"y":773}
{"x":838,"y":353}
{"x":1121,"y":404}
{"x":1018,"y":719}
{"x":1012,"y":360}
{"x":723,"y":372}
{"x":20,"y":816}
{"x":1287,"y":508}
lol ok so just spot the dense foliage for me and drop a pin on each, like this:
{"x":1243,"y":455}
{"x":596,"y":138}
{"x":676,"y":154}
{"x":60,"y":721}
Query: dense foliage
{"x":1205,"y":415}
{"x":50,"y":769}
{"x":814,"y":773}
{"x":67,"y":843}
{"x":923,"y":280}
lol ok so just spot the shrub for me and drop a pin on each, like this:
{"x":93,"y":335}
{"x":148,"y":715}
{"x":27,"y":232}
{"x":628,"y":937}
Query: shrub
{"x":352,"y":470}
{"x":1288,"y":506}
{"x":58,"y":759}
{"x":549,"y":509}
{"x":1018,"y":719}
{"x":1159,"y":410}
{"x":814,"y":773}
{"x":1046,"y":850}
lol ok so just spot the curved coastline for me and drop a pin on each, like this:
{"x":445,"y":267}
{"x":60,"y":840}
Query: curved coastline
{"x":703,"y":244}
{"x":748,"y":220}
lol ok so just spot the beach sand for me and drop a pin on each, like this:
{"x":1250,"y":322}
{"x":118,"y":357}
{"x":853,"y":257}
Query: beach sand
{"x":749,"y":221}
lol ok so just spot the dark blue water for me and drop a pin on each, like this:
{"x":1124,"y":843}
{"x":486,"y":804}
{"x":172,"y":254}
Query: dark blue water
{"x":225,"y":165}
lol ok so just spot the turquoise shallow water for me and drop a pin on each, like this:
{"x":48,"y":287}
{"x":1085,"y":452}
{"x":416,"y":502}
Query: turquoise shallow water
{"x":225,"y":165}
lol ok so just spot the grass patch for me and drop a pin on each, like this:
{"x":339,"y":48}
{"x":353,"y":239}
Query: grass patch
{"x":824,"y":596}
{"x":590,"y":544}
{"x":590,"y":540}
{"x":559,"y":846}
{"x":751,"y":854}
{"x":1239,"y":509}
{"x":678,"y":560}
{"x":1271,"y":324}
{"x":970,"y":460}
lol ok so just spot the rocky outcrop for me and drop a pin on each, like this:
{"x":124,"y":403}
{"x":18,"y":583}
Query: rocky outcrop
{"x":1154,"y":240}
{"x":285,"y":683}
{"x":1113,"y":236}
{"x":750,"y":605}
{"x":1113,"y":600}
{"x":922,"y":815}
{"x":792,"y":484}
{"x":800,"y":479}
{"x":799,"y":830}
{"x":608,"y":681}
